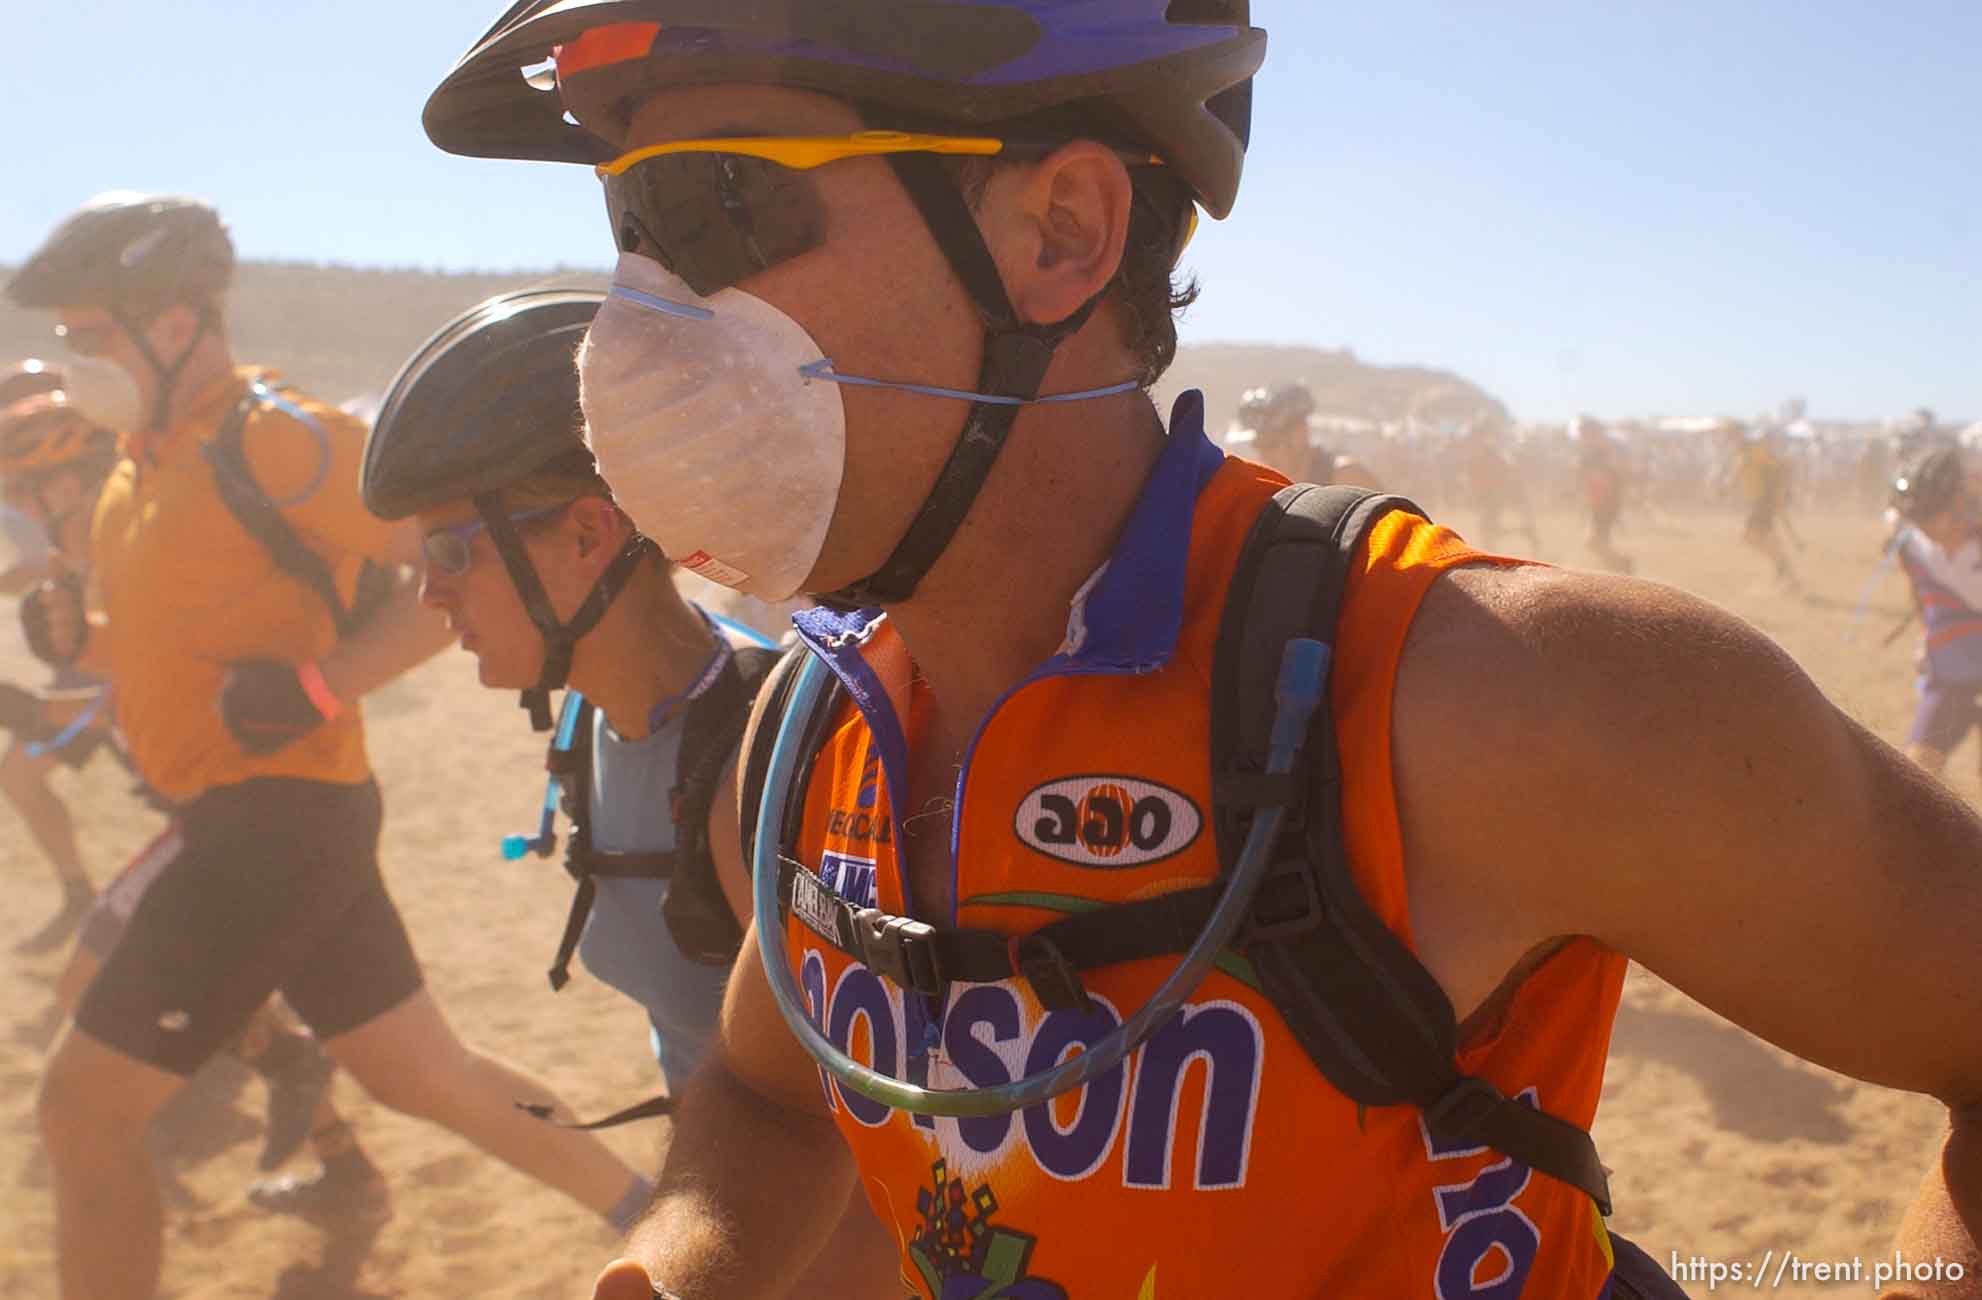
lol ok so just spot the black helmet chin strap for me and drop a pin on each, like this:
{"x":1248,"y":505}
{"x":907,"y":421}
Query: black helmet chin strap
{"x":560,"y":639}
{"x":1016,"y":356}
{"x":168,"y":376}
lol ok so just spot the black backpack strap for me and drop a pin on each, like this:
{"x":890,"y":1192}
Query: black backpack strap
{"x":696,"y":909}
{"x":249,"y":504}
{"x":1362,"y":1006}
{"x":584,"y":863}
{"x":663,"y":1104}
{"x":573,"y":769}
{"x":920,"y":958}
{"x":753,"y":769}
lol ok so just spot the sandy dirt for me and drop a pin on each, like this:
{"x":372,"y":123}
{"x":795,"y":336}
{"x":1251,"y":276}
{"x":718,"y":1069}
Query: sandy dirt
{"x":1723,"y":1147}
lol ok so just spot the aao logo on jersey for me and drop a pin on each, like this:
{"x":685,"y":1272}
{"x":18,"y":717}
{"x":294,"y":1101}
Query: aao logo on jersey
{"x":1107,"y":821}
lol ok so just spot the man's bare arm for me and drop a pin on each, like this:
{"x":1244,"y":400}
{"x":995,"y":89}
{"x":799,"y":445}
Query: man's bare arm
{"x":402,"y":635}
{"x":751,"y":1126}
{"x":1584,"y":755}
{"x":757,"y":1175}
{"x":1942,"y":1221}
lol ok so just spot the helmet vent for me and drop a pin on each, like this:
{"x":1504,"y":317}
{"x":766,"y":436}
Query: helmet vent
{"x":1234,"y":108}
{"x":134,"y":253}
{"x":1209,"y":13}
{"x":540,"y":76}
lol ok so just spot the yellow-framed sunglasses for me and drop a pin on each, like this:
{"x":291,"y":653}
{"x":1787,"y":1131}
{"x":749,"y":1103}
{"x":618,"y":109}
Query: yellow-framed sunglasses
{"x":719,"y":210}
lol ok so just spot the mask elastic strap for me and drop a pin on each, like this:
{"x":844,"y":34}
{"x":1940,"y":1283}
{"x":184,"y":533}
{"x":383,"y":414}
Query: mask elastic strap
{"x":1016,"y":357}
{"x":560,"y":639}
{"x":167,"y":376}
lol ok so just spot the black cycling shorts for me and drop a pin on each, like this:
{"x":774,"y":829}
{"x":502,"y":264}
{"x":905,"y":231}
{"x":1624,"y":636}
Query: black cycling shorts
{"x":104,"y":925}
{"x":274,"y":886}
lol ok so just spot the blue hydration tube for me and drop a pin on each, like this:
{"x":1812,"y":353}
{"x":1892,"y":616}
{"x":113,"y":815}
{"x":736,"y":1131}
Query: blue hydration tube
{"x":60,"y":740}
{"x":515,"y":847}
{"x":1303,"y":670}
{"x":750,"y":634}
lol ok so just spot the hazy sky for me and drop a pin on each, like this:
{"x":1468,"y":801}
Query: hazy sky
{"x":1678,"y":206}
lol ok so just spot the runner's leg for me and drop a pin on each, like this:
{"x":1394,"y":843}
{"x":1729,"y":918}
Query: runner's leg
{"x":298,"y":1073}
{"x":24,"y":784}
{"x":359,"y":987}
{"x":94,"y":1106}
{"x":244,"y":890}
{"x":410,"y":1060}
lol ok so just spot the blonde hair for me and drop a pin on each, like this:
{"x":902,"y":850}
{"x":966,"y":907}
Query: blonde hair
{"x":570,"y":477}
{"x":567,"y":477}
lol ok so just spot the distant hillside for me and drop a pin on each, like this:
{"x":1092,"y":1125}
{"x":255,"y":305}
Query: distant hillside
{"x":335,"y":331}
{"x":1342,"y":385}
{"x":342,"y":332}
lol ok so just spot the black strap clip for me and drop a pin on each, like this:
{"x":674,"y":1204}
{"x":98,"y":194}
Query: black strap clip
{"x":900,"y":948}
{"x":1055,"y":981}
{"x":1287,"y":904}
{"x":1460,"y":1111}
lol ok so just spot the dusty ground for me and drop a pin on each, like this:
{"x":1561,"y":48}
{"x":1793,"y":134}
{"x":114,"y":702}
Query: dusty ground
{"x":1723,"y":1146}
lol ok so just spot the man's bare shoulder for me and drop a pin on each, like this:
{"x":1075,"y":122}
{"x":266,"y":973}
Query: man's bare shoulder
{"x":1557,"y":652}
{"x":1558,"y":734}
{"x":1593,"y":755}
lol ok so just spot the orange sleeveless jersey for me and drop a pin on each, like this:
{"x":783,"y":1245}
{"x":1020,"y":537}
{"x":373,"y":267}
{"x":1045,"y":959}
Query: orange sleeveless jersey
{"x":189,"y":591}
{"x":1217,"y":1161}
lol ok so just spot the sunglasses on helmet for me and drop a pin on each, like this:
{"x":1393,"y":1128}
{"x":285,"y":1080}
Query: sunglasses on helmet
{"x":718,"y":211}
{"x":451,"y":551}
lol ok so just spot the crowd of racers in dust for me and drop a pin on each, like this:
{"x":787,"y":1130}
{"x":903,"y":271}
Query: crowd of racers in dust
{"x":1491,"y":474}
{"x":1499,"y":478}
{"x":548,"y":542}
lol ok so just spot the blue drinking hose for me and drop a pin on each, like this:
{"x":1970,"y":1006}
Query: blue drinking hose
{"x":60,"y":740}
{"x":516,"y":847}
{"x":748,"y":633}
{"x":1303,"y":673}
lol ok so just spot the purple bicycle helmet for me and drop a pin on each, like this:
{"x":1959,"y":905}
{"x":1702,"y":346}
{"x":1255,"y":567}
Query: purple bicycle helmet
{"x":1175,"y":75}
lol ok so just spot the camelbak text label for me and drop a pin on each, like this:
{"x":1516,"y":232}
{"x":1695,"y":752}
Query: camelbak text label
{"x":812,"y":904}
{"x":1107,"y":821}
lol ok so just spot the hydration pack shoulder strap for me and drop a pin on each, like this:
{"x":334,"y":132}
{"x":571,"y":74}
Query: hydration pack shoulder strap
{"x":585,"y":864}
{"x":1362,"y":1006}
{"x":696,"y":909}
{"x":244,"y":498}
{"x":754,"y":767}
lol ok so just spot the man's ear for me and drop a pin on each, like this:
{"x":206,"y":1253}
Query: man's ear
{"x":172,"y":331}
{"x":1059,"y":229}
{"x":601,"y":528}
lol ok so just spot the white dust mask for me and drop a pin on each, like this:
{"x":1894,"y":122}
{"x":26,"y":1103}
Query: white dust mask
{"x":103,"y":391}
{"x":713,"y":441}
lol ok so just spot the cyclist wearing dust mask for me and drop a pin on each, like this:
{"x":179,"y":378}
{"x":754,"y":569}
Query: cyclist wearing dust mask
{"x":1108,"y":955}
